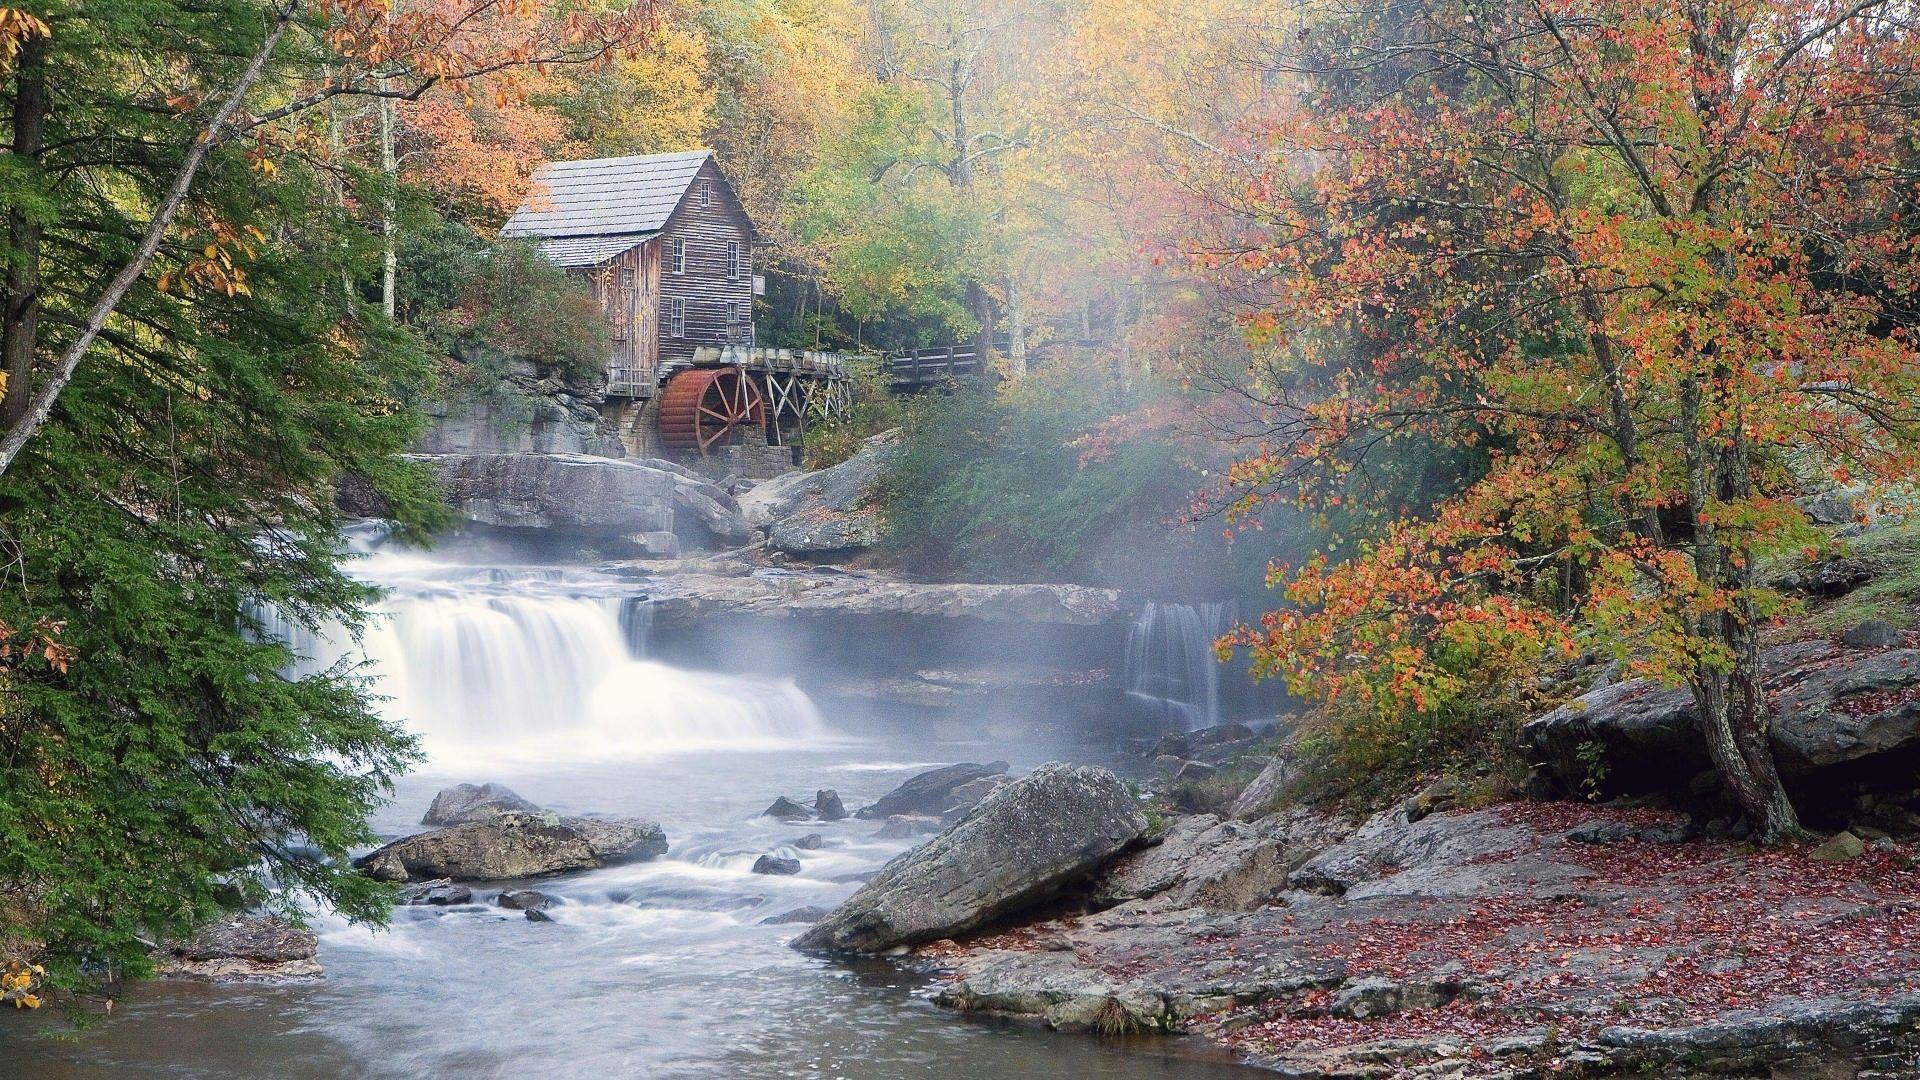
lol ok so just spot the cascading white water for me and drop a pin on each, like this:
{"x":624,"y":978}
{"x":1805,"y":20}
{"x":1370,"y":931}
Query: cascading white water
{"x":1172,"y":675}
{"x":465,"y":667}
{"x":491,"y":666}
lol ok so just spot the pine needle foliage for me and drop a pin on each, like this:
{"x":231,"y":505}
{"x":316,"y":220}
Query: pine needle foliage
{"x":166,"y":768}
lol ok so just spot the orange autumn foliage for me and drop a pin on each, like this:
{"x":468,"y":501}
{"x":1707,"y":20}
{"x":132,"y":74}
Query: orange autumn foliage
{"x":1649,"y":265}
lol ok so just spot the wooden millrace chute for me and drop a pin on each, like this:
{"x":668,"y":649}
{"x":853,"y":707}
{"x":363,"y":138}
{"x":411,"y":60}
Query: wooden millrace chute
{"x":700,"y":407}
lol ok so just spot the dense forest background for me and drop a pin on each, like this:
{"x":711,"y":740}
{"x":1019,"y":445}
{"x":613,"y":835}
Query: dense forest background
{"x":1494,"y":334}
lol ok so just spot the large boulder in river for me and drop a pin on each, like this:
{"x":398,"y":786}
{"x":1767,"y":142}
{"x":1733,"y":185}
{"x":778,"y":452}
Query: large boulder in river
{"x":514,"y":845}
{"x":786,"y":810}
{"x":616,"y":840}
{"x":826,"y":511}
{"x":472,"y":802}
{"x":1021,"y":845}
{"x":962,"y":800}
{"x":931,"y":792}
{"x":436,"y":893}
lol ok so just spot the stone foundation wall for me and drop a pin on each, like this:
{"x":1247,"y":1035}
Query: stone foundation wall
{"x":633,"y":422}
{"x":747,"y":460}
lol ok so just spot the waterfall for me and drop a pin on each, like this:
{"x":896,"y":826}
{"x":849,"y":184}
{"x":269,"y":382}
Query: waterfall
{"x":490,"y":666}
{"x":636,"y":625}
{"x":1172,"y":676}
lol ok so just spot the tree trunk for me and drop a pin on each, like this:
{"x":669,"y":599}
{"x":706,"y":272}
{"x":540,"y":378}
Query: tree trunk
{"x":336,"y":182}
{"x":980,"y":306}
{"x":1735,"y":724}
{"x":1732,"y":704}
{"x":1626,"y":433}
{"x":20,"y":320}
{"x":389,"y":239}
{"x":1016,"y":330}
{"x":960,"y":174}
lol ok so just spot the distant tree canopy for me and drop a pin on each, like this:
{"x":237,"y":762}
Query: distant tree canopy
{"x":486,"y":304}
{"x":1020,"y":485}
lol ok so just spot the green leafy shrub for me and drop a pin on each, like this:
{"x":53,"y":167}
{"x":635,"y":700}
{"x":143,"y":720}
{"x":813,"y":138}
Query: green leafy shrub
{"x":874,"y":409}
{"x":490,"y":303}
{"x":1363,"y":756}
{"x":991,"y":485}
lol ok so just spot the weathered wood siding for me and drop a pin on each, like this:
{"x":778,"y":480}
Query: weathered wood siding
{"x":627,"y":287}
{"x":706,"y":225}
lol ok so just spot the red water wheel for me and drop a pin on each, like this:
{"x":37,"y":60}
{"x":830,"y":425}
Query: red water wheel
{"x":700,"y":407}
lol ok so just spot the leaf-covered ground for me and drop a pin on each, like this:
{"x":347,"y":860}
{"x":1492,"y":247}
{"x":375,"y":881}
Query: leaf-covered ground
{"x":1662,"y":934}
{"x":1506,"y":932}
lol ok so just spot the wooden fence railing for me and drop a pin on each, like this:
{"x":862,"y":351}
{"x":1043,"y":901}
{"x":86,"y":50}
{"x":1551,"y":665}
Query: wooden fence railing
{"x":915,"y":368}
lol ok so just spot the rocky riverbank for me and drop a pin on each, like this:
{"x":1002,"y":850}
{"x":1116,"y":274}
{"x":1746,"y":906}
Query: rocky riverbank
{"x":1521,"y":939}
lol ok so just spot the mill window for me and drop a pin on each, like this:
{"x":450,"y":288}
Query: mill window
{"x":677,"y":317}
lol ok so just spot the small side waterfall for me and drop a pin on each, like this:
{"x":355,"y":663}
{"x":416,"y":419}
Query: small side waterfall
{"x":636,"y":625}
{"x":1172,"y":677}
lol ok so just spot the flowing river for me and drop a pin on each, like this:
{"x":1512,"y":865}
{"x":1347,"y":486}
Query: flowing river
{"x":540,"y":679}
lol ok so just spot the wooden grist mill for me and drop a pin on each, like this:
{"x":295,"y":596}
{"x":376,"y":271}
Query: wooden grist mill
{"x":666,"y":248}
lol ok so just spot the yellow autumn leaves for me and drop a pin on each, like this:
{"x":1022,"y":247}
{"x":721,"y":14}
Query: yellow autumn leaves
{"x":16,"y":26}
{"x":18,"y":983}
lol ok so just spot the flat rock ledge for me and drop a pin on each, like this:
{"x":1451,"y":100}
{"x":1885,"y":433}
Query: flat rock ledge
{"x":688,"y":593}
{"x":606,"y":497}
{"x":244,"y":948}
{"x":1488,"y":943}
